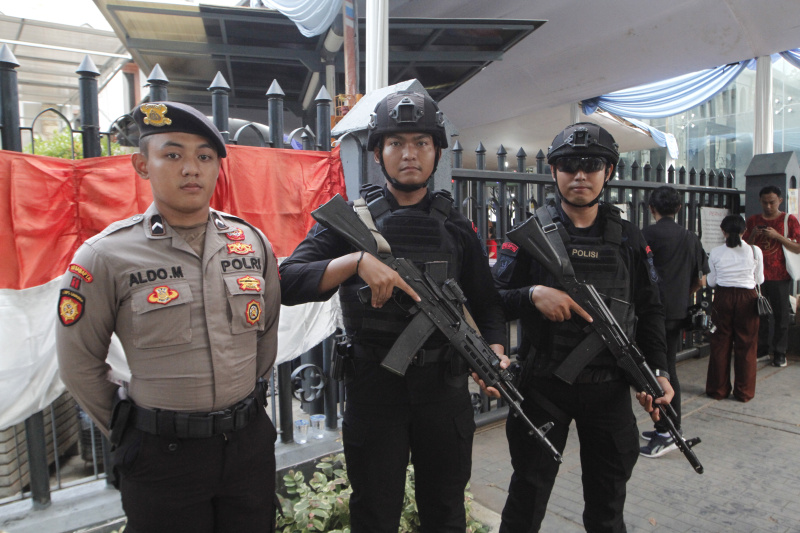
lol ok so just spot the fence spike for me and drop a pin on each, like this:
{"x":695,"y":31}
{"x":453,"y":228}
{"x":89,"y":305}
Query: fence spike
{"x":219,"y":83}
{"x":521,"y":152}
{"x":457,"y":147}
{"x":275,"y":89}
{"x":502,"y":150}
{"x":87,"y":67}
{"x":157,"y":75}
{"x":7,"y":57}
{"x":323,"y":95}
{"x":480,"y":149}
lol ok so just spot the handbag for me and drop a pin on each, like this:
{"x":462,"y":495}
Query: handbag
{"x":792,"y":259}
{"x":762,"y":304}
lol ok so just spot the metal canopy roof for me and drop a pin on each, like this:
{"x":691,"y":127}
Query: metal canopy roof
{"x":49,"y":54}
{"x":251,"y":47}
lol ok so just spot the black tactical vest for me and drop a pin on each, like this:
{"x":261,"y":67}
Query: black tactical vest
{"x":412,"y":233}
{"x":599,"y":261}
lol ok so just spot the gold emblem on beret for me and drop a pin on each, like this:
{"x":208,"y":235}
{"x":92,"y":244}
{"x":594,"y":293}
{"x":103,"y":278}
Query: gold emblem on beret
{"x":154,"y":115}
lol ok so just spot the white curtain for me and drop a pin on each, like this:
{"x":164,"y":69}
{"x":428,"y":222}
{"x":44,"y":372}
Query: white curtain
{"x":762,"y":136}
{"x":377,"y":75}
{"x":312,"y":17}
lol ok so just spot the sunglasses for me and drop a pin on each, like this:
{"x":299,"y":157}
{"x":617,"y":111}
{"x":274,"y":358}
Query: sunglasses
{"x":571,"y":165}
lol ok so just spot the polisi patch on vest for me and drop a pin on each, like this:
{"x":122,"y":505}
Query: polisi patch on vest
{"x":82,"y":272}
{"x":156,"y":274}
{"x":71,"y":305}
{"x":240,"y":248}
{"x":245,"y":263}
{"x":585,"y":254}
{"x":162,"y":295}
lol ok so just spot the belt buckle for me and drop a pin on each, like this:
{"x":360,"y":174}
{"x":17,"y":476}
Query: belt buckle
{"x":223,"y":421}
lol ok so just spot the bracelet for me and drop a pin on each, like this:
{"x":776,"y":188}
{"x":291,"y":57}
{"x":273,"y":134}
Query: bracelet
{"x":530,"y":292}
{"x":358,"y":262}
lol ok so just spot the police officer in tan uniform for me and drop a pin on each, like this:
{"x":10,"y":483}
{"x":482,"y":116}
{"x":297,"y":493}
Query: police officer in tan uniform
{"x":193,"y":295}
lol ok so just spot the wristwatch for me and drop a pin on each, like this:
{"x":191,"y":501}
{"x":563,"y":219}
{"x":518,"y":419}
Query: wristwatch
{"x":661,"y":373}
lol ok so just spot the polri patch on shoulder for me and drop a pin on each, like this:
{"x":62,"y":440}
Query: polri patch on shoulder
{"x":71,"y":306}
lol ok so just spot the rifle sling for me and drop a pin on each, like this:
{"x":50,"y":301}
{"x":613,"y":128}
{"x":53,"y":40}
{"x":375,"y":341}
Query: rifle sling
{"x":362,"y":210}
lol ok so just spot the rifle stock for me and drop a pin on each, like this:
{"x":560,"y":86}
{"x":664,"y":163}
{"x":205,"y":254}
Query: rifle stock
{"x":440,"y":308}
{"x":532,"y":238}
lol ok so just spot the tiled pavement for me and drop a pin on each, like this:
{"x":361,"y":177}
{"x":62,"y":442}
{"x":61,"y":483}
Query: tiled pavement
{"x":751,"y":455}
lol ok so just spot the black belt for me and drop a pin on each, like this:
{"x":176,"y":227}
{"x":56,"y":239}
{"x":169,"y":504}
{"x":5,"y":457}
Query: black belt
{"x":201,"y":425}
{"x":423,"y":357}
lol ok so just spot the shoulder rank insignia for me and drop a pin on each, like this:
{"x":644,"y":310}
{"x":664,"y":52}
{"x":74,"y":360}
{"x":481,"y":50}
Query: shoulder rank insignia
{"x":236,"y":235}
{"x":249,"y":283}
{"x":240,"y":248}
{"x":82,"y":272}
{"x":154,"y":115}
{"x":71,"y":305}
{"x":253,"y":312}
{"x":162,"y":295}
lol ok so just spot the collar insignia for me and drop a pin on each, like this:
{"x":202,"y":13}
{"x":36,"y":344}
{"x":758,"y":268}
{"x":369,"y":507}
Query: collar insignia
{"x":218,"y":222}
{"x":162,"y":295}
{"x":154,"y":115}
{"x":240,"y":248}
{"x":253,"y":312}
{"x":157,"y":225}
{"x":236,"y":235}
{"x":249,"y":283}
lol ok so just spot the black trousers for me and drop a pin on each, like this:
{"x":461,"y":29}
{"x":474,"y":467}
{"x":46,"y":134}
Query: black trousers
{"x":674,"y":331}
{"x":220,"y":484}
{"x":609,"y":446}
{"x":377,"y":442}
{"x":777,"y":292}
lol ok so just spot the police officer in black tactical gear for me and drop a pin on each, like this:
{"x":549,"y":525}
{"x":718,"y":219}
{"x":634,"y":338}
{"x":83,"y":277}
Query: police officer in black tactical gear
{"x":427,"y":413}
{"x":611,"y":254}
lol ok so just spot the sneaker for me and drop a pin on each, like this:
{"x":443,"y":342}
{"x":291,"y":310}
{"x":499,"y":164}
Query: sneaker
{"x":779,"y":360}
{"x":648,"y":435}
{"x":764,"y":357}
{"x":658,"y":446}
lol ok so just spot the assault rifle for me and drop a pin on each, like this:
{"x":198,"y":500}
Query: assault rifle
{"x":531,"y":237}
{"x":441,"y":307}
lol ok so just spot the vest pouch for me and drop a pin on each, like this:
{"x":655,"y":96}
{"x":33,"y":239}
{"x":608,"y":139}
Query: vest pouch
{"x":245,"y":302}
{"x":161,"y":315}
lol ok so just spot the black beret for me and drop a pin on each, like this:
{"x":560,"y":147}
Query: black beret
{"x":165,"y":117}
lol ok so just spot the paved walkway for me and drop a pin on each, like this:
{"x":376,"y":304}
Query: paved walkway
{"x":750,"y":453}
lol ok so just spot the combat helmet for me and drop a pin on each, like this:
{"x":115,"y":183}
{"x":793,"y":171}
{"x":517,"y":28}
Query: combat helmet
{"x":584,"y":139}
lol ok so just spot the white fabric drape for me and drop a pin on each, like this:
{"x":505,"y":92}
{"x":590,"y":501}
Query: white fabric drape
{"x":377,"y":45}
{"x":763,"y":135}
{"x":312,"y":17}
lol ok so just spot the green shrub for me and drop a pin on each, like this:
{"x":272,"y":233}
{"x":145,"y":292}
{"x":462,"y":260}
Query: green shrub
{"x":323,"y":504}
{"x":59,"y":145}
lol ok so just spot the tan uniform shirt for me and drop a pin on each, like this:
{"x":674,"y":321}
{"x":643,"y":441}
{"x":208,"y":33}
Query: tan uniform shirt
{"x":197,"y":331}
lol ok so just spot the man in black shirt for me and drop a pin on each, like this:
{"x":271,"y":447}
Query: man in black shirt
{"x":611,"y":254}
{"x":681,"y":264}
{"x":428,"y":411}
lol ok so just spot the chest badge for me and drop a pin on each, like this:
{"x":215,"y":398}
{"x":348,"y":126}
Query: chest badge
{"x":70,"y":307}
{"x":162,"y":295}
{"x":253,"y":312}
{"x":249,"y":283}
{"x":235,"y":235}
{"x":240,"y":248}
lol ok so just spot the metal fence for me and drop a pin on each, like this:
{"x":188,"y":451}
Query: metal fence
{"x":504,"y":198}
